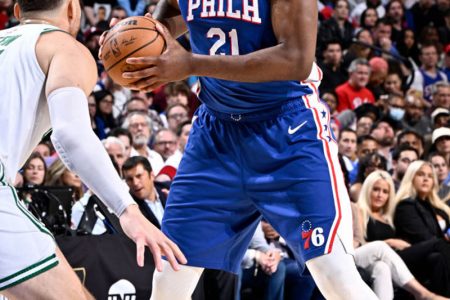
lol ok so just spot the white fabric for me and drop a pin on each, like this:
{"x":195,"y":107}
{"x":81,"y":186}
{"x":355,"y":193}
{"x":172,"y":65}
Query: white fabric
{"x":337,"y":277}
{"x":81,"y":150}
{"x":78,"y":210}
{"x":24,"y":117}
{"x":155,"y":159}
{"x":156,"y":208}
{"x":22,"y":242}
{"x":170,"y":284}
{"x":369,"y":256}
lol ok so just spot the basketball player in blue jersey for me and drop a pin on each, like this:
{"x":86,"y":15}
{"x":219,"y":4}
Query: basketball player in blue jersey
{"x":260,"y":147}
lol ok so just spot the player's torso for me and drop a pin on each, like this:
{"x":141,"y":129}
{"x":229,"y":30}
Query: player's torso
{"x":24,"y":115}
{"x":235,"y":27}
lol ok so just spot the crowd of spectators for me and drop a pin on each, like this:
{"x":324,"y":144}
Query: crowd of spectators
{"x":385,"y":64}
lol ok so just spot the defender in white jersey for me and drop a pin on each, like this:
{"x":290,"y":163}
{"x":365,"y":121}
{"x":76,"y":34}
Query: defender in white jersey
{"x":46,"y":77}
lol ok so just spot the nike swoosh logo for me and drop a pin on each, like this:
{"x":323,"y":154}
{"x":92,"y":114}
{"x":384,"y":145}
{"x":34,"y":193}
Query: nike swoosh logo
{"x":294,"y":130}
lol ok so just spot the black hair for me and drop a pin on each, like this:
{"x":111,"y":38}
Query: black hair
{"x":402,"y":148}
{"x":180,"y":127}
{"x":39,"y":5}
{"x":370,"y":160}
{"x":116,"y":132}
{"x":133,"y":161}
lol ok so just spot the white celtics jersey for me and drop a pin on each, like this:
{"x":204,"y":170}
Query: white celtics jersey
{"x":24,"y":115}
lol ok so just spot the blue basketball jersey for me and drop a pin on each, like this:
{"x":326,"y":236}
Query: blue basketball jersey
{"x":236,"y":27}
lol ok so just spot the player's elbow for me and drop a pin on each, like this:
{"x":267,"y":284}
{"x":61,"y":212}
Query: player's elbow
{"x":301,"y":65}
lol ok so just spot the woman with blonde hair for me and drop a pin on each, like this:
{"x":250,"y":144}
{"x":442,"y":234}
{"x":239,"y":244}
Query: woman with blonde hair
{"x":375,"y":213}
{"x":59,"y":175}
{"x":422,"y":218}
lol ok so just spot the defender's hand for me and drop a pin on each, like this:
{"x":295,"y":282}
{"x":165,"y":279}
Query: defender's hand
{"x":143,"y":233}
{"x":172,"y":65}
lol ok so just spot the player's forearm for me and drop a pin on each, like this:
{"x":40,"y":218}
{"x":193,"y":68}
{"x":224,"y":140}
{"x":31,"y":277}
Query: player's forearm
{"x":170,"y":17}
{"x":271,"y":64}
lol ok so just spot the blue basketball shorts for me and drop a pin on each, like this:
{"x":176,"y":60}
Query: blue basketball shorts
{"x":279,"y":164}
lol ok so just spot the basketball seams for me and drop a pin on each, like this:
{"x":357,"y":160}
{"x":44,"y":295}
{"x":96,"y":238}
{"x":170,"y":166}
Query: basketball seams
{"x":136,"y":50}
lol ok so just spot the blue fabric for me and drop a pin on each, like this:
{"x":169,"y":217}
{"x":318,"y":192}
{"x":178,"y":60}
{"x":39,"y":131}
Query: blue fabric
{"x":234,"y":172}
{"x":208,"y":33}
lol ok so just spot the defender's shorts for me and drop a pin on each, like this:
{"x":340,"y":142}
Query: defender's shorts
{"x":281,"y":164}
{"x":27,"y":248}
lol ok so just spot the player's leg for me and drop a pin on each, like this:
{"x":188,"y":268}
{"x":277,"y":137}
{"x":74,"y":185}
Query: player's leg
{"x":206,"y":214}
{"x":57,"y":283}
{"x":30,"y":265}
{"x":305,"y":198}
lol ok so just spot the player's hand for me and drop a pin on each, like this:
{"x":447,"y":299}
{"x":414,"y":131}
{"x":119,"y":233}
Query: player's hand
{"x":172,"y":65}
{"x":275,"y":258}
{"x":143,"y":233}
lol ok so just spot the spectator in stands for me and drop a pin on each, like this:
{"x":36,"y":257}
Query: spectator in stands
{"x":347,"y":147}
{"x":104,"y":112}
{"x":369,"y":19}
{"x":428,"y":74}
{"x":44,"y":149}
{"x":383,"y":132}
{"x":393,"y":84}
{"x":59,"y":175}
{"x":353,"y":93}
{"x":330,"y":98}
{"x":412,"y":138}
{"x":395,"y":12}
{"x":361,"y":47}
{"x":408,"y":47}
{"x":165,"y":143}
{"x":415,"y":118}
{"x":139,"y":103}
{"x":440,"y":118}
{"x":441,"y":95}
{"x":139,"y":124}
{"x":176,"y":114}
{"x":363,"y":125}
{"x":262,"y":271}
{"x":441,"y":142}
{"x":375,"y":212}
{"x":125,"y":137}
{"x":151,"y":198}
{"x":378,"y":72}
{"x":170,"y":168}
{"x":96,"y":122}
{"x":365,"y":146}
{"x":425,"y":12}
{"x":358,"y":10}
{"x":118,"y":12}
{"x":366,"y":115}
{"x":116,"y":149}
{"x":366,"y":165}
{"x":90,"y":7}
{"x":331,"y":66}
{"x":34,"y":170}
{"x":382,"y":38}
{"x":421,"y":216}
{"x":337,"y":27}
{"x":133,"y":7}
{"x":402,"y":157}
{"x":442,"y":173}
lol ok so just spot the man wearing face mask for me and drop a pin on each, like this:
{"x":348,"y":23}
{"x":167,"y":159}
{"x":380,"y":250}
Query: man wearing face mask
{"x":396,"y":108}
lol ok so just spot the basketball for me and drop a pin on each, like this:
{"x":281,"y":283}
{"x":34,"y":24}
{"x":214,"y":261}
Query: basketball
{"x":131,"y":37}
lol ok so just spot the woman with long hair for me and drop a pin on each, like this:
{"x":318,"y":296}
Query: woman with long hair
{"x":60,"y":175}
{"x":376,"y":206}
{"x":422,"y":218}
{"x":34,"y":170}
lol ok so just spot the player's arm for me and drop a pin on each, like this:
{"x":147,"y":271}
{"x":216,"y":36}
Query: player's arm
{"x":295,"y":26}
{"x":168,"y":13}
{"x":71,"y":75}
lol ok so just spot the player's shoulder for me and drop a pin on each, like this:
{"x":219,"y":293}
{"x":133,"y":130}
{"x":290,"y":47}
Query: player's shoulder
{"x":59,"y":43}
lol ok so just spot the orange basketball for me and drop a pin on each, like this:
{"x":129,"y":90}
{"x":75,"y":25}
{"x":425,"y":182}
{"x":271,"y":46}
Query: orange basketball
{"x":131,"y":37}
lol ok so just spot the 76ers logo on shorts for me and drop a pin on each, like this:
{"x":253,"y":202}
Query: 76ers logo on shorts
{"x":312,"y":235}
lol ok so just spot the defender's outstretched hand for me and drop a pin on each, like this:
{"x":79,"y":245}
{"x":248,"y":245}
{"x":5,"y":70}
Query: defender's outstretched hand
{"x":143,"y":233}
{"x":172,"y":65}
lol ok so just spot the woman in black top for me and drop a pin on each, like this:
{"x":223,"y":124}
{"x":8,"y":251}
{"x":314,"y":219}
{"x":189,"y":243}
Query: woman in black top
{"x":376,"y":204}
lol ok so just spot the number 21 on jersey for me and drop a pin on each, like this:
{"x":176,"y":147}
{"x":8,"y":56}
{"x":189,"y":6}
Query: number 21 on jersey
{"x":222,"y":39}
